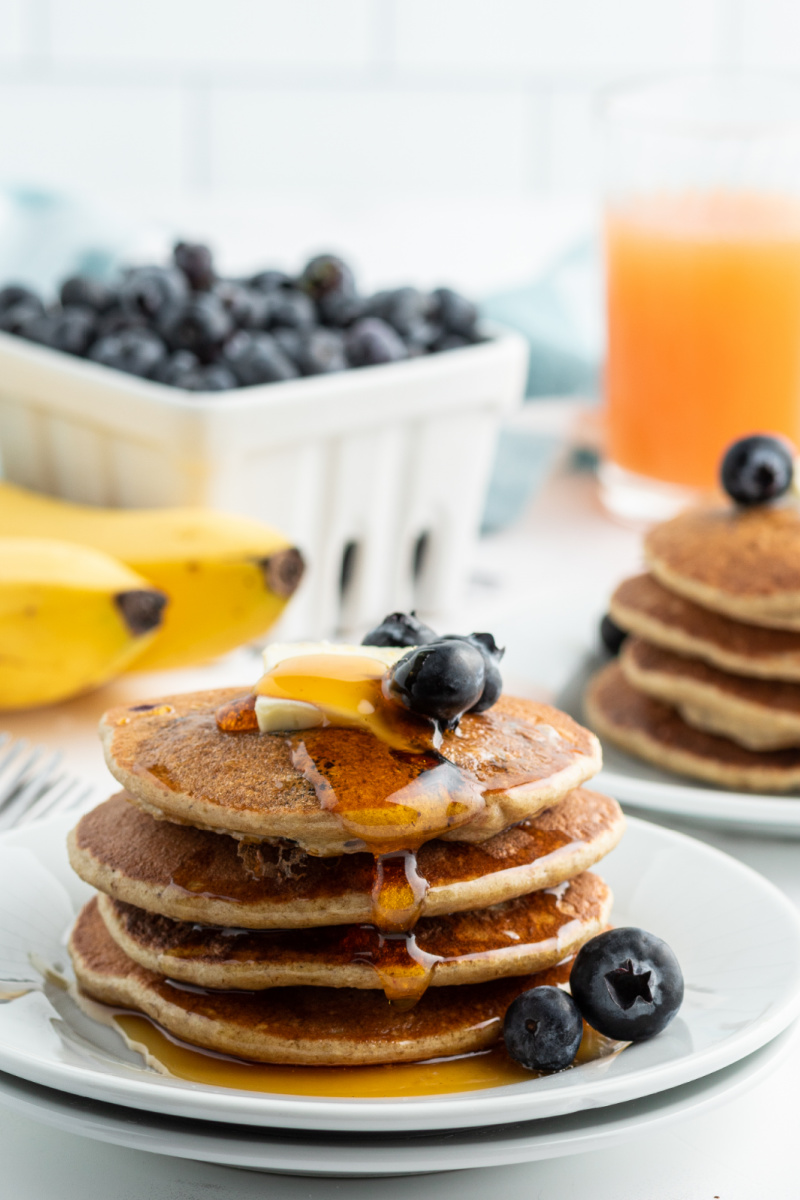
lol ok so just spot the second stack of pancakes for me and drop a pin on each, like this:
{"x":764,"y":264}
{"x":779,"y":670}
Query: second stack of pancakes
{"x":708,"y":680}
{"x":237,"y":909}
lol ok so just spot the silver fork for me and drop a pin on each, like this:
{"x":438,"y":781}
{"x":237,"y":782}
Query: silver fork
{"x":31,"y":785}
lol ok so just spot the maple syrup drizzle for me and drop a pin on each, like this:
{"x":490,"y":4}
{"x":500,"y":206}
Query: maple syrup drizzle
{"x":479,"y":1070}
{"x":410,"y":795}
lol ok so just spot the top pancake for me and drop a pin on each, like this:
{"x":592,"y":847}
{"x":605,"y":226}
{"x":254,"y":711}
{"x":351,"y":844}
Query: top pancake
{"x":744,"y":563}
{"x":641,"y":605}
{"x":175,"y":763}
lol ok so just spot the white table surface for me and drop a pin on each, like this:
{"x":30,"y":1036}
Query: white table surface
{"x":540,"y":587}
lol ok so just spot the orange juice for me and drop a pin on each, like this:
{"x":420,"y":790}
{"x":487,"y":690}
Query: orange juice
{"x":704,"y":329}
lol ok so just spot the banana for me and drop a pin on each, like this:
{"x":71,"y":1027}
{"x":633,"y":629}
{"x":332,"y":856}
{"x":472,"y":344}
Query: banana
{"x":227,"y":577}
{"x":70,"y":618}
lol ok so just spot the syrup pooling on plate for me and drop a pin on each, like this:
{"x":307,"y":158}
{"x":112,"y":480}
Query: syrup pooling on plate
{"x":465,"y":1073}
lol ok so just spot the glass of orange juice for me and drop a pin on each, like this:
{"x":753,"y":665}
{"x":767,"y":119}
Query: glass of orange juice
{"x":702,"y":251}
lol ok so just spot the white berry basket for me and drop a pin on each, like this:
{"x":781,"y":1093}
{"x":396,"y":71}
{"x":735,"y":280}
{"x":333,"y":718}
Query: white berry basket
{"x":378,"y":474}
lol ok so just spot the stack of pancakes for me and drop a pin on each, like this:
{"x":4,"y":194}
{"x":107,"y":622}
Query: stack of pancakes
{"x":708,"y":682}
{"x":237,"y":909}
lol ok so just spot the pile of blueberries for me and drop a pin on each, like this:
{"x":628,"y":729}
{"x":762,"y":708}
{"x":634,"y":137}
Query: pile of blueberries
{"x":186,"y":326}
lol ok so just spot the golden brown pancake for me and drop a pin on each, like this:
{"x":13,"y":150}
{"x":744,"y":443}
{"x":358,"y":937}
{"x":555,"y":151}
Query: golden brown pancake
{"x":195,"y":875}
{"x":516,"y":937}
{"x":752,"y":712}
{"x":312,"y":1026}
{"x":643,"y":606}
{"x":744,"y":563}
{"x":654,"y":731}
{"x":174,"y":762}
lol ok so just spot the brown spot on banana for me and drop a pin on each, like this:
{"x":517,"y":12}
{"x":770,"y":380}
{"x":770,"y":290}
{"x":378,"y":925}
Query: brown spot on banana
{"x":283,"y":571}
{"x":141,"y":609}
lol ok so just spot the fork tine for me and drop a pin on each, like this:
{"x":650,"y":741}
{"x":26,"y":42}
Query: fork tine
{"x":60,"y":800}
{"x":13,"y":812}
{"x":22,"y":770}
{"x":32,"y":788}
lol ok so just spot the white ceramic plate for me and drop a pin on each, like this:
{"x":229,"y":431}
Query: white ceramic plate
{"x":720,"y":917}
{"x":292,"y":1153}
{"x":638,"y":785}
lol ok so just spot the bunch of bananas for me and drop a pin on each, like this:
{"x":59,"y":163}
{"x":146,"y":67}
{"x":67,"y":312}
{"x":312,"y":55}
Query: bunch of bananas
{"x":85,"y":592}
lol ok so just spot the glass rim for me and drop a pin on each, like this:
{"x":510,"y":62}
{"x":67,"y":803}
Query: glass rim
{"x":611,"y":99}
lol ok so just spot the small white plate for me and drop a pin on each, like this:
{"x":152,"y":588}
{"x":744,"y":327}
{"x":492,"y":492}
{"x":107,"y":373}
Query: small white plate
{"x":644,"y":787}
{"x":720,"y":917}
{"x":292,"y":1153}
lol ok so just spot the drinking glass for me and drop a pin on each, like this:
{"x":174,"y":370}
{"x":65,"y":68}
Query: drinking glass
{"x":702,"y":253}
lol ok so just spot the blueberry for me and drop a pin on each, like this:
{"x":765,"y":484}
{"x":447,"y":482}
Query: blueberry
{"x":200,"y":325}
{"x":450,"y":341}
{"x":292,"y":309}
{"x":194,"y":259}
{"x":543,"y":1029}
{"x":214,"y":378}
{"x":327,"y":273}
{"x":372,"y":341}
{"x":422,"y":338}
{"x":151,"y":291}
{"x":291,"y":342}
{"x":442,"y":679}
{"x":18,"y":317}
{"x":456,"y":313}
{"x":87,"y":293}
{"x":16,"y":293}
{"x":492,"y":655}
{"x":757,"y":469}
{"x":270,"y":281}
{"x":322,"y":352}
{"x":257,"y":358}
{"x":400,"y":629}
{"x":248,"y":308}
{"x":340,"y":309}
{"x":611,"y":635}
{"x":173,"y":369}
{"x":406,"y":308}
{"x":135,"y":351}
{"x":71,"y":330}
{"x":627,"y":983}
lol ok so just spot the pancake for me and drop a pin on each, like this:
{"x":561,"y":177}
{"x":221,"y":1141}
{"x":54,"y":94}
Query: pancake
{"x":516,"y":937}
{"x":509,"y":763}
{"x":643,"y":606}
{"x":311,"y":1026}
{"x":743,"y":563}
{"x":655,"y":732}
{"x":752,"y":712}
{"x":195,"y":875}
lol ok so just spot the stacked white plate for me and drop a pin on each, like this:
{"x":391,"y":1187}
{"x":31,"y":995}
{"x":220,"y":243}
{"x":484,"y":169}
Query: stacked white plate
{"x":720,"y":917}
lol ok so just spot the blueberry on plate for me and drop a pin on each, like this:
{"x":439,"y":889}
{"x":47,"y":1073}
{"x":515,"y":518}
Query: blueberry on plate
{"x":194,"y":259}
{"x":270,"y":281}
{"x":292,"y":309}
{"x":151,"y":291}
{"x":400,"y":629}
{"x":543,"y":1029}
{"x":611,"y":635}
{"x":71,"y":330}
{"x":327,"y":273}
{"x":173,"y":369}
{"x":257,"y":358}
{"x":135,"y":351}
{"x":216,"y":377}
{"x":627,"y":983}
{"x":371,"y":341}
{"x":757,"y":469}
{"x":442,"y":680}
{"x":18,"y":317}
{"x":248,"y":308}
{"x":492,"y":654}
{"x":456,"y":313}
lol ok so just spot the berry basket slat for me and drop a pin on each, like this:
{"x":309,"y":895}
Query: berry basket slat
{"x":378,"y":474}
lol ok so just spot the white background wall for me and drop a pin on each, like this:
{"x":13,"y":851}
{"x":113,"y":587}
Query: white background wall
{"x":326,"y":98}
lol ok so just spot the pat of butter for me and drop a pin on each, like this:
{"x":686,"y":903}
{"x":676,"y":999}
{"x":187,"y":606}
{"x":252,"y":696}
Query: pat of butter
{"x":278,"y":652}
{"x":284,"y":716}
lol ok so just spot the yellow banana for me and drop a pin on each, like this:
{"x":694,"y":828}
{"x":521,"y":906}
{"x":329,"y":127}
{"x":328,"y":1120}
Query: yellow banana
{"x":227,"y":577}
{"x":70,"y":618}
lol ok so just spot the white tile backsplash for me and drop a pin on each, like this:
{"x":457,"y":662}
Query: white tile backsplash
{"x":557,"y":35}
{"x":397,"y":141}
{"x":337,"y":97}
{"x":215,"y":33}
{"x":80,"y":136}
